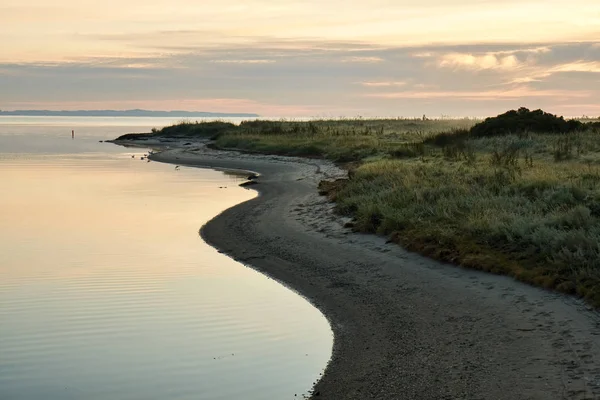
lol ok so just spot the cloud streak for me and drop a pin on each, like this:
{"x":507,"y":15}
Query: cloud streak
{"x":263,"y":61}
{"x":362,"y":59}
{"x":490,"y":95}
{"x":275,"y":76}
{"x":34,"y":30}
{"x":479,"y":62}
{"x":383,"y":84}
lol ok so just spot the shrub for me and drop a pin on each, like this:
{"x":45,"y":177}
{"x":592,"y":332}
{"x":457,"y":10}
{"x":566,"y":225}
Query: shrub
{"x":445,"y":138}
{"x":210,"y":129}
{"x":523,"y":120}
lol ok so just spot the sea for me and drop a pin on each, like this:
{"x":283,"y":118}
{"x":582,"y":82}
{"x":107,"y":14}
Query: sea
{"x":107,"y":291}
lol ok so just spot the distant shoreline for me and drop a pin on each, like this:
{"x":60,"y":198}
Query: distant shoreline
{"x":124,"y":113}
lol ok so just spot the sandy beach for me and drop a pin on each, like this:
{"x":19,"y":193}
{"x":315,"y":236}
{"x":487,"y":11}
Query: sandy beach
{"x":405,"y":327}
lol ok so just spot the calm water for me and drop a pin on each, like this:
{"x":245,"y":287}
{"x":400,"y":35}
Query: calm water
{"x":108,"y":292}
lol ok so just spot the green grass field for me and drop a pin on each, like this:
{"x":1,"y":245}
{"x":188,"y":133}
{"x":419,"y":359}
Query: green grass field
{"x":516,"y":195}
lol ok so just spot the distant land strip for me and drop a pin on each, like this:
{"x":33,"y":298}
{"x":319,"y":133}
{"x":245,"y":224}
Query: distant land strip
{"x":123,"y":113}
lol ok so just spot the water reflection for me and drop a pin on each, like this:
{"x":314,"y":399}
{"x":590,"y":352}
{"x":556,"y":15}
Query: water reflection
{"x":107,"y":292}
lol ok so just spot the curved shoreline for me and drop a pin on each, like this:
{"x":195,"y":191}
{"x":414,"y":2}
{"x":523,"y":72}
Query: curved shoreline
{"x":405,"y":327}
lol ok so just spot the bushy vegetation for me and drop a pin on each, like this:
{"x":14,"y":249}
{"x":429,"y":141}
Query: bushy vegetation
{"x":345,"y":140}
{"x":523,"y":120}
{"x":210,"y":129}
{"x":504,"y":211}
{"x":189,"y":130}
{"x":514,"y":202}
{"x":517,"y":194}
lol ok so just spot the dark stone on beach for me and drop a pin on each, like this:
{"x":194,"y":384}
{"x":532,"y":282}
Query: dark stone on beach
{"x":100,"y":141}
{"x":252,"y":177}
{"x":249,"y":183}
{"x":187,"y":144}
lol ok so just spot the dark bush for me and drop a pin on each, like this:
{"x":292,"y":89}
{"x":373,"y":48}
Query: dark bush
{"x":592,"y":125}
{"x":524,"y":120}
{"x":135,"y":136}
{"x":445,"y":138}
{"x":204,"y":129}
{"x":408,"y":150}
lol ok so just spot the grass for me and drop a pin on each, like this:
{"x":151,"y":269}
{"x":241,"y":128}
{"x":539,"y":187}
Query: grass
{"x":518,"y":194}
{"x":185,"y":129}
{"x":344,"y":140}
{"x":530,"y":217}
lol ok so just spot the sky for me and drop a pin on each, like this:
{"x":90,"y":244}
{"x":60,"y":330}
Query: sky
{"x":326,"y":58}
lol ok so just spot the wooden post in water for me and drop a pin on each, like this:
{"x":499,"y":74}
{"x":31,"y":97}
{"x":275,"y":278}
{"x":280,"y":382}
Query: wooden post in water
{"x":73,"y":134}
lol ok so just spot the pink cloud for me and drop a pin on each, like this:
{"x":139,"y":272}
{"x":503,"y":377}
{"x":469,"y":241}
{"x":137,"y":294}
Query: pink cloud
{"x":243,"y":61}
{"x":515,"y":93}
{"x":357,"y":59}
{"x":382,"y":83}
{"x":478,"y":62}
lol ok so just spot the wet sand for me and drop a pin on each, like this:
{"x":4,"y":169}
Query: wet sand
{"x":406,"y":327}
